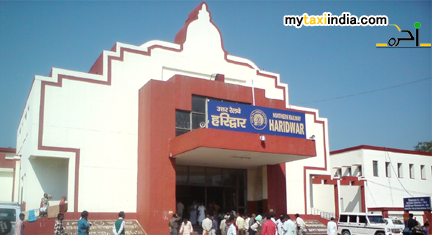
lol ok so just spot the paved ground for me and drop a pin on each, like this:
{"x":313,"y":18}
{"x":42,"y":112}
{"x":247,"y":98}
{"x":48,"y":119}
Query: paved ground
{"x":104,"y":227}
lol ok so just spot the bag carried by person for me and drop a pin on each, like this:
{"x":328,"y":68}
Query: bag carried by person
{"x":407,"y":230}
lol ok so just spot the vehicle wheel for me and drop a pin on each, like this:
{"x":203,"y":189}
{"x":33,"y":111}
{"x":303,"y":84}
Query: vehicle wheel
{"x":346,"y":232}
{"x":5,"y":226}
{"x":380,"y":233}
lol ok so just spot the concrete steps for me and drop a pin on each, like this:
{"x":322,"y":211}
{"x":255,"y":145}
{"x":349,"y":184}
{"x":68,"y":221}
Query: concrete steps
{"x":315,"y":227}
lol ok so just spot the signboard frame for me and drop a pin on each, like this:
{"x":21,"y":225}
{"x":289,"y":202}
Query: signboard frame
{"x":417,"y":204}
{"x":225,"y":115}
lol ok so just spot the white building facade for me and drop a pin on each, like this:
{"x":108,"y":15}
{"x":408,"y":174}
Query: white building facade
{"x":81,"y":133}
{"x":377,"y":179}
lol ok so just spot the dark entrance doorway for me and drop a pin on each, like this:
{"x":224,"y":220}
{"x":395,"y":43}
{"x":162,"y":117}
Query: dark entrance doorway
{"x":224,"y":187}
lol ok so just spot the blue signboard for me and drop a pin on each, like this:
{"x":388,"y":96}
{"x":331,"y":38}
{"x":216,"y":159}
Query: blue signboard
{"x":417,"y":204}
{"x":247,"y":118}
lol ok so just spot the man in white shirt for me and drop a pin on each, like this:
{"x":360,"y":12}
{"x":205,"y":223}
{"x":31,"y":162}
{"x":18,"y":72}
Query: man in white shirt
{"x":331,"y":227}
{"x":279,"y":225}
{"x":289,"y":226}
{"x":207,"y":225}
{"x":231,"y":228}
{"x":247,"y":225}
{"x":240,"y":224}
{"x":301,"y":226}
{"x":223,"y":225}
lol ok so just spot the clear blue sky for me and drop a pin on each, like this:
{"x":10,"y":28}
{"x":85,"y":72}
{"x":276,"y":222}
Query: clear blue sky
{"x":317,"y":62}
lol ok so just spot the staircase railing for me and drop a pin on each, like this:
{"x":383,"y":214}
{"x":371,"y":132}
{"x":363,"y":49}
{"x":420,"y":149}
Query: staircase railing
{"x":323,"y":214}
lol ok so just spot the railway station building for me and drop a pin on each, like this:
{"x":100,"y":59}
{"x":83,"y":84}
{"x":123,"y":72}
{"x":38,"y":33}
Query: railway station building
{"x":153,"y":124}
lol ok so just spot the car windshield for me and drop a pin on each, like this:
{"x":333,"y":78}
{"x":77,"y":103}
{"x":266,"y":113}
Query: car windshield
{"x":8,"y":214}
{"x":376,"y":219}
{"x":396,"y":221}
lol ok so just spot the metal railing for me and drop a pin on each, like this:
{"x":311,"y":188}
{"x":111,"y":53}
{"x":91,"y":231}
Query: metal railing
{"x":323,"y":214}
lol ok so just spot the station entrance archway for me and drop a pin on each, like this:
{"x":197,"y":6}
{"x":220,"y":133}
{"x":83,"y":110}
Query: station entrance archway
{"x":224,"y":187}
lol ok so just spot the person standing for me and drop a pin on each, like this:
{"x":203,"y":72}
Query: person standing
{"x":240,"y":224}
{"x":223,"y":226}
{"x":264,"y":218}
{"x":58,"y":226}
{"x":231,"y":227}
{"x":210,"y":209}
{"x":186,"y":227}
{"x":19,"y":226}
{"x":279,"y":225}
{"x":119,"y":225}
{"x":201,"y":213}
{"x":62,"y":205}
{"x":45,"y":204}
{"x":289,"y":226}
{"x":251,"y":221}
{"x":173,"y":224}
{"x":301,"y":226}
{"x":207,"y":225}
{"x":193,"y":213}
{"x":247,"y":224}
{"x":216,"y":207}
{"x":83,"y":224}
{"x":256,"y":227}
{"x":180,"y":208}
{"x":331,"y":227}
{"x":214,"y":227}
{"x":410,"y":224}
{"x":269,"y":227}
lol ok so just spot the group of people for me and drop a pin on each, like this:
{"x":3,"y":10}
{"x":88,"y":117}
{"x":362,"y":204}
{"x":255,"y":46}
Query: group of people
{"x":413,"y":227}
{"x":43,"y":211}
{"x":198,"y":211}
{"x":268,"y":224}
{"x":234,"y":223}
{"x":209,"y":225}
{"x":84,"y":225}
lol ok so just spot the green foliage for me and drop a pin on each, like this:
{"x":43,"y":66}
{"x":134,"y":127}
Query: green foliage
{"x":424,"y":146}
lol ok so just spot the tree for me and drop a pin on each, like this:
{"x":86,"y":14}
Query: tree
{"x":424,"y":146}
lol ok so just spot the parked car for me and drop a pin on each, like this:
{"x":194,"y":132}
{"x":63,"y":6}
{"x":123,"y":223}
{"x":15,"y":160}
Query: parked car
{"x":395,"y":225}
{"x":9,"y":215}
{"x":367,"y":224}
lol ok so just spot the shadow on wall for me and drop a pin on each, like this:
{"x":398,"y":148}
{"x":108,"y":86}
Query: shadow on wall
{"x":52,"y":174}
{"x":355,"y":204}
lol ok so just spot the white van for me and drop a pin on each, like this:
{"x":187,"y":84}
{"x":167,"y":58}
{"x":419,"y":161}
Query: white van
{"x":9,"y":215}
{"x":365,"y":224}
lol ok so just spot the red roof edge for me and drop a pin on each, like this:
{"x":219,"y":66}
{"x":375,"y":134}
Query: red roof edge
{"x":380,"y":149}
{"x":7,"y":150}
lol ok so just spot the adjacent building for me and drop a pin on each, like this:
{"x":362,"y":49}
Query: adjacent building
{"x":375,"y":179}
{"x":9,"y":175}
